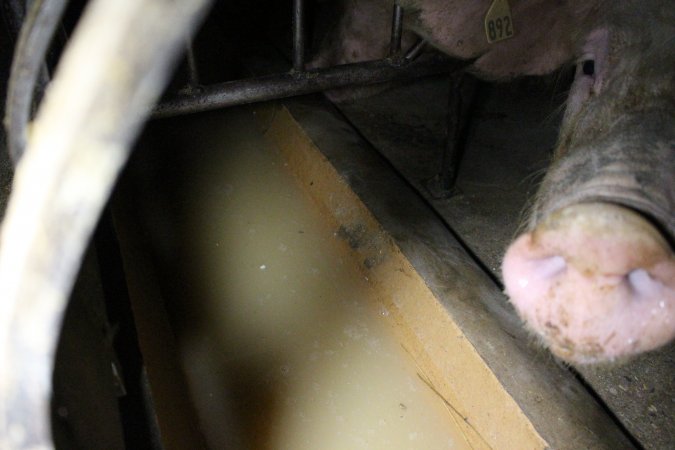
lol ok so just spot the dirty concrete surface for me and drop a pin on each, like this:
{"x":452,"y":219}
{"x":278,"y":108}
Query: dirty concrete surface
{"x":511,"y":135}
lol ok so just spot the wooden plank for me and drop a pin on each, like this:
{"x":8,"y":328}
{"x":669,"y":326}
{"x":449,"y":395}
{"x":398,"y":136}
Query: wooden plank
{"x":445,"y":359}
{"x":447,"y":313}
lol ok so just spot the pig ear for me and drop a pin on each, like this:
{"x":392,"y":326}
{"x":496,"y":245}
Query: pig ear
{"x":591,"y":70}
{"x":592,"y":63}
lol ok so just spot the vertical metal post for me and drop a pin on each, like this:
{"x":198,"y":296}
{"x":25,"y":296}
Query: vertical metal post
{"x":396,"y":30}
{"x":29,"y":71}
{"x":193,"y":73}
{"x":13,"y":11}
{"x":298,"y":36}
{"x":453,"y":145}
{"x":82,"y":137}
{"x":461,"y":98}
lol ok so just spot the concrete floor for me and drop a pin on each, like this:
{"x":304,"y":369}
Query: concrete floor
{"x":511,"y":135}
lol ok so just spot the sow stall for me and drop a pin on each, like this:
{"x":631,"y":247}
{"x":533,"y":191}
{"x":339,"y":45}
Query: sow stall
{"x":438,"y":302}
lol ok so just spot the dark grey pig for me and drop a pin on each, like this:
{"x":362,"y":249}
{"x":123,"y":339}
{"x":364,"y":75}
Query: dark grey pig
{"x":594,"y":273}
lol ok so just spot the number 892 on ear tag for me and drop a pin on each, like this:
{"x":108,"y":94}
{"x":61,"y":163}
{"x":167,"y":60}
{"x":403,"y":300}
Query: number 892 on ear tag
{"x":498,"y":22}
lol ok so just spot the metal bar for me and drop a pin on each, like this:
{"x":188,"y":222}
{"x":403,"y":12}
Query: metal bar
{"x":463,"y":89}
{"x":273,"y":87}
{"x":193,"y":73}
{"x":415,"y":50}
{"x":14,"y":12}
{"x":82,"y":138}
{"x":454,"y":142}
{"x":298,"y":35}
{"x":27,"y":68}
{"x":396,"y":30}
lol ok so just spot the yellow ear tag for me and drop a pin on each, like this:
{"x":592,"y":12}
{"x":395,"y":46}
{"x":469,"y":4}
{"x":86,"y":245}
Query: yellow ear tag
{"x":498,"y":22}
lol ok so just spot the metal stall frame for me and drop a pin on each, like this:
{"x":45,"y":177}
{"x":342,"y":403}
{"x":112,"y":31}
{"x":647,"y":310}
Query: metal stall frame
{"x":80,"y":143}
{"x":77,"y":147}
{"x":29,"y":74}
{"x":397,"y":66}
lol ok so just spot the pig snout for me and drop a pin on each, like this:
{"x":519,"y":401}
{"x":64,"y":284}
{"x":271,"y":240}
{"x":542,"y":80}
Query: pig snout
{"x":596,"y":281}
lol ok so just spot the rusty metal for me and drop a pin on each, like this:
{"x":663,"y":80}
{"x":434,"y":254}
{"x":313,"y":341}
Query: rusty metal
{"x":291,"y":84}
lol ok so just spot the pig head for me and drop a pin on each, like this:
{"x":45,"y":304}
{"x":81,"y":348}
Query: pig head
{"x":594,"y":273}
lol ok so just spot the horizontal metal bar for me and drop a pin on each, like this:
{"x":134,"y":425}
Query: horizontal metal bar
{"x":273,"y":87}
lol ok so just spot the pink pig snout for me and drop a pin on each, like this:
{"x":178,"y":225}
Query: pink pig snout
{"x":596,"y":281}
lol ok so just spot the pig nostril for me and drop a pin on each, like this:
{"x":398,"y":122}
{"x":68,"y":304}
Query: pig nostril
{"x":549,"y":267}
{"x":541,"y":270}
{"x":643,"y":284}
{"x":588,"y":67}
{"x":537,"y":272}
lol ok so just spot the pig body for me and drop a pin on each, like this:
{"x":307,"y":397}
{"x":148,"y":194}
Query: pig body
{"x":544,"y":33}
{"x":593,"y":273}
